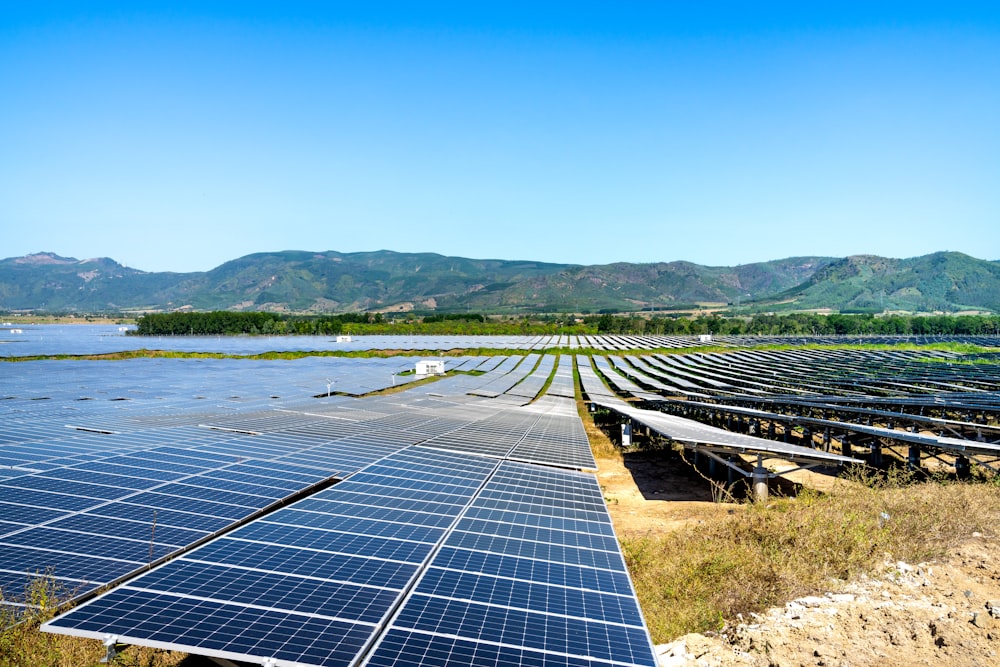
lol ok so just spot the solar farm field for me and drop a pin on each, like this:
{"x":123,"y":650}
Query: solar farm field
{"x":345,"y":511}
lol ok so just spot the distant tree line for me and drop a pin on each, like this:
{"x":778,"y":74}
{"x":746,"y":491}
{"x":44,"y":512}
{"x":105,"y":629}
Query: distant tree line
{"x":454,"y":317}
{"x":794,"y":324}
{"x":226,"y":323}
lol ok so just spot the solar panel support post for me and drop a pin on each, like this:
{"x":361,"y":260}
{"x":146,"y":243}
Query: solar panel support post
{"x":845,"y":444}
{"x":759,"y":480}
{"x":111,"y":647}
{"x":913,"y":458}
{"x":963,"y":468}
{"x":627,"y":434}
{"x":875,"y":458}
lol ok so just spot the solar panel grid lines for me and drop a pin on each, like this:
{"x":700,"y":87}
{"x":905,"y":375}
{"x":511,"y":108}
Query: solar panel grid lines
{"x":198,"y":504}
{"x":530,"y":386}
{"x":278,"y":551}
{"x":698,"y":434}
{"x":562,"y":378}
{"x":497,"y":604}
{"x":640,"y":372}
{"x":593,"y":387}
{"x":503,"y":383}
{"x":620,"y":383}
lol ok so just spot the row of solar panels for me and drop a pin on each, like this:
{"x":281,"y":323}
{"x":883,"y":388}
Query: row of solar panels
{"x":805,"y":373}
{"x":98,"y":339}
{"x":688,"y":431}
{"x":423,"y":558}
{"x":750,"y":385}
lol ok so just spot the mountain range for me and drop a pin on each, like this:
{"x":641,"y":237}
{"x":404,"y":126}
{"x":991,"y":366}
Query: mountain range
{"x":300,"y":281}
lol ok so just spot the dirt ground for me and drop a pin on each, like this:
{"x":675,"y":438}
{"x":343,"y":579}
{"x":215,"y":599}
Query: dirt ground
{"x":654,"y":493}
{"x":940,"y":613}
{"x":944,"y":613}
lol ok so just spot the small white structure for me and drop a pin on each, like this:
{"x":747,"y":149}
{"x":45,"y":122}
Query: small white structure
{"x":430,"y":367}
{"x":17,"y":331}
{"x":343,"y":339}
{"x":705,"y":338}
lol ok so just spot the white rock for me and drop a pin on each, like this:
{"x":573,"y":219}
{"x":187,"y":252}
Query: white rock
{"x":674,"y":654}
{"x":812,"y":601}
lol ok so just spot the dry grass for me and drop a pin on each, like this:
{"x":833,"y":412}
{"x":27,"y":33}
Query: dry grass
{"x":23,"y":645}
{"x":695,"y":579}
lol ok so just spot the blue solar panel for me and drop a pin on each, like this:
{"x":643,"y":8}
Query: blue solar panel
{"x":95,"y":570}
{"x":47,"y":500}
{"x":27,"y":514}
{"x":228,"y":630}
{"x":136,"y":530}
{"x":541,"y":581}
{"x":292,"y":592}
{"x":546,"y":632}
{"x":325,"y":507}
{"x":53,"y":540}
{"x":559,"y":574}
{"x":103,"y":478}
{"x":306,"y":562}
{"x":38,"y":483}
{"x":163,"y":517}
{"x":296,"y":567}
{"x":311,"y":538}
{"x":540,"y":597}
{"x":407,"y":648}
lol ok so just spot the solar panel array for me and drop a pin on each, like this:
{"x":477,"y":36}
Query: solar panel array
{"x":311,"y":583}
{"x":133,"y":481}
{"x":442,"y":543}
{"x":693,"y":432}
{"x":828,"y":394}
{"x":562,"y":379}
{"x":126,"y":506}
{"x":503,"y":383}
{"x":557,"y":438}
{"x":530,"y":575}
{"x":206,"y":508}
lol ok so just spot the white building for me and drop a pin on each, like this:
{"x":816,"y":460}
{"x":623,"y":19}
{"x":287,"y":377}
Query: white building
{"x":430,"y":367}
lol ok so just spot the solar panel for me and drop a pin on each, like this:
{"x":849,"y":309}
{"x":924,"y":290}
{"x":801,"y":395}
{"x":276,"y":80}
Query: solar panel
{"x":316,"y":568}
{"x":128,"y":500}
{"x":504,"y":588}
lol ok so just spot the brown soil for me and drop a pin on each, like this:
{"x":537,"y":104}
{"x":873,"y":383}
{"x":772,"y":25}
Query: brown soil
{"x":942,"y":613}
{"x":655,"y":493}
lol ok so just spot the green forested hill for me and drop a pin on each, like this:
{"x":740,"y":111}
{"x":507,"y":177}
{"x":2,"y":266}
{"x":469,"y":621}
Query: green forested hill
{"x":943,"y":281}
{"x":330,"y":282}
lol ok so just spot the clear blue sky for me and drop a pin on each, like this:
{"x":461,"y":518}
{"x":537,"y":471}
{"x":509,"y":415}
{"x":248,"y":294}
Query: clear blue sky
{"x":176,"y":136}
